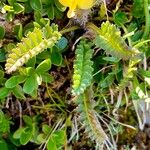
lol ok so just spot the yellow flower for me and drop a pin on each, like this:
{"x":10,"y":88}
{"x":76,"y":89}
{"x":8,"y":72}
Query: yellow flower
{"x":74,"y":4}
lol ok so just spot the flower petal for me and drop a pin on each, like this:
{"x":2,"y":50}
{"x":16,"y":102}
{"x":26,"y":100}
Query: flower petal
{"x":70,"y":13}
{"x":66,"y":3}
{"x":85,"y":4}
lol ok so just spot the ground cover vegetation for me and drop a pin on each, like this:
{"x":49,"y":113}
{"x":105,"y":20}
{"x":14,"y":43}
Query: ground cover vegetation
{"x":74,"y":75}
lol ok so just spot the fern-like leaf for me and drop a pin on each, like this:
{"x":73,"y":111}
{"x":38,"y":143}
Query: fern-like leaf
{"x":82,"y":76}
{"x":89,"y":119}
{"x":109,"y":38}
{"x":34,"y":43}
{"x":82,"y":79}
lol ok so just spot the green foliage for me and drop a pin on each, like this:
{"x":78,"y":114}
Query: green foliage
{"x":2,"y":32}
{"x":28,"y":132}
{"x":53,"y":139}
{"x":12,"y":8}
{"x":3,"y":92}
{"x":120,"y":18}
{"x":138,"y":9}
{"x":50,"y":8}
{"x":89,"y":119}
{"x":129,"y":74}
{"x":2,"y":55}
{"x":44,"y":66}
{"x":4,"y":124}
{"x":30,"y":84}
{"x":36,"y":4}
{"x":109,"y":38}
{"x":144,"y":73}
{"x":56,"y":140}
{"x":12,"y":82}
{"x":30,"y":77}
{"x":82,"y":79}
{"x":18,"y":30}
{"x":56,"y":57}
{"x":3,"y":145}
{"x":35,"y":42}
{"x":82,"y":76}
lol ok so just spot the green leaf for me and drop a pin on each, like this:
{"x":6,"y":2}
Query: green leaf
{"x":3,"y":92}
{"x":17,"y":133}
{"x":15,"y":142}
{"x":36,"y":4}
{"x":56,"y":58}
{"x":2,"y":55}
{"x":51,"y":145}
{"x":28,"y":8}
{"x":41,"y":138}
{"x":34,"y":94}
{"x":59,"y":6}
{"x":27,"y":120}
{"x":11,"y":2}
{"x":60,"y":137}
{"x":37,"y":17}
{"x":138,"y":8}
{"x":50,"y":12}
{"x":47,"y":78}
{"x":47,"y":2}
{"x":1,"y":74}
{"x":10,"y":16}
{"x":29,"y":71}
{"x":83,"y":68}
{"x":111,"y":59}
{"x":109,"y":38}
{"x":26,"y":136}
{"x":18,"y":31}
{"x":3,"y":145}
{"x":12,"y":82}
{"x":46,"y":129}
{"x":31,"y":62}
{"x":58,"y":13}
{"x":144,"y":73}
{"x":18,"y":8}
{"x":120,"y":18}
{"x":18,"y":92}
{"x":30,"y":47}
{"x":30,"y":84}
{"x":21,"y":78}
{"x":43,"y":66}
{"x":2,"y":32}
{"x":43,"y":55}
{"x":4,"y":123}
{"x":2,"y":81}
{"x":107,"y":81}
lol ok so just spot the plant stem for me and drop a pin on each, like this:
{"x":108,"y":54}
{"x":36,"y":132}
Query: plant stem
{"x":93,"y":27}
{"x":147,"y":20}
{"x":139,"y":44}
{"x":69,"y":29}
{"x":126,"y":32}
